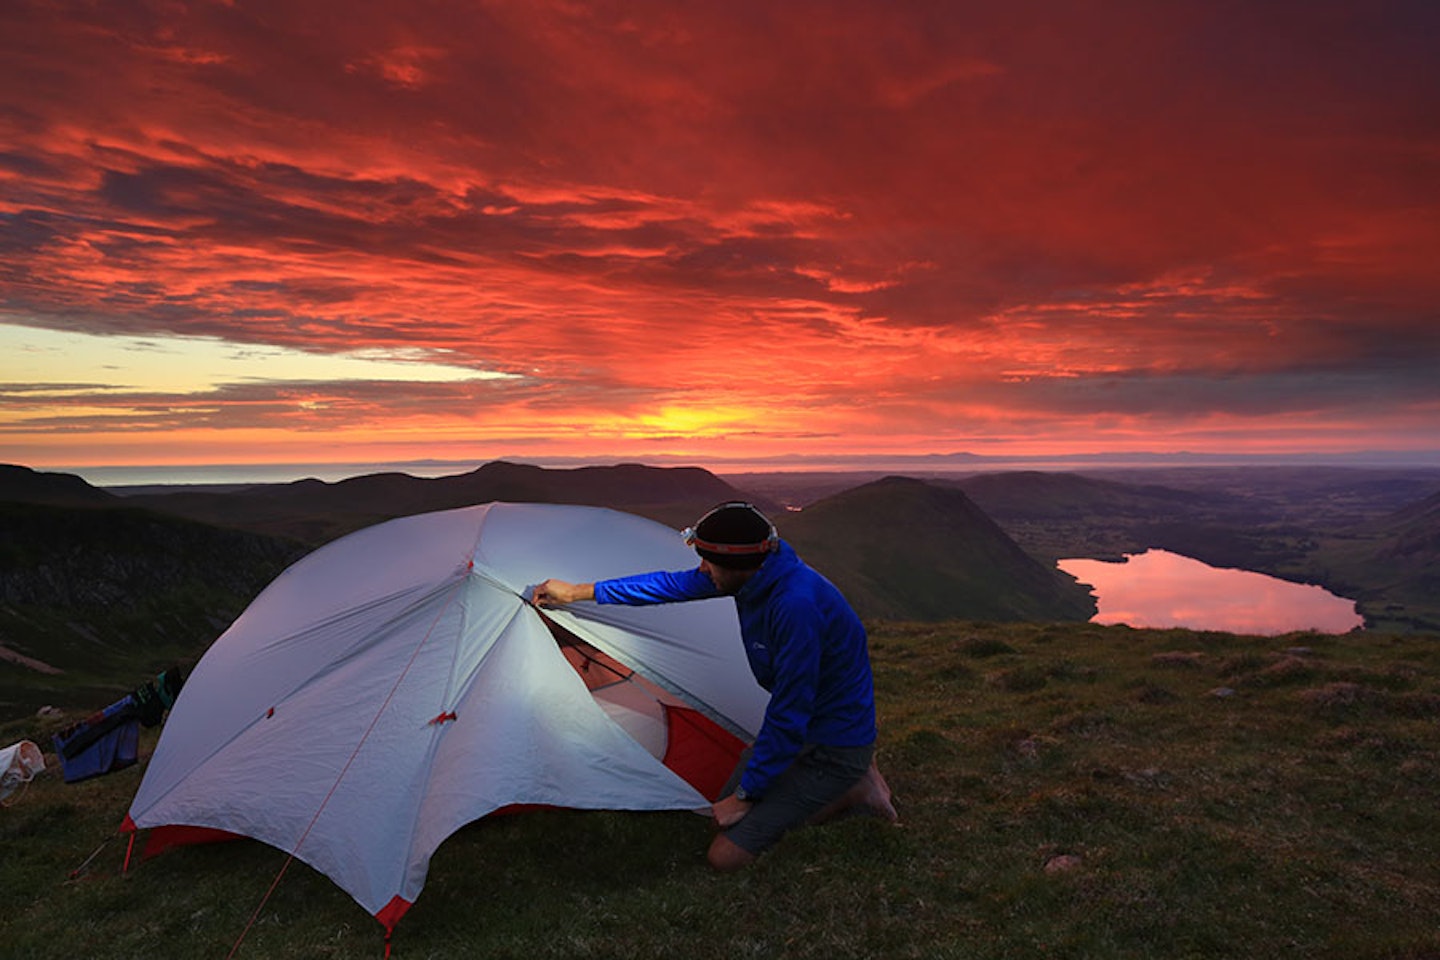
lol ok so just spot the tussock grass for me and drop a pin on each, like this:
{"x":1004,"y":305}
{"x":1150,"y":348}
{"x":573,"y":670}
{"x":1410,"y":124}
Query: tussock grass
{"x":1072,"y":791}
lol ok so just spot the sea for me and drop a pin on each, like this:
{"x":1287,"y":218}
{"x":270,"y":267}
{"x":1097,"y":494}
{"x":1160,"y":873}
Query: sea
{"x":918,"y":465}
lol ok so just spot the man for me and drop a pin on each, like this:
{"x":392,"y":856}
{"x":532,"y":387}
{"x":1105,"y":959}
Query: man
{"x":814,"y":756}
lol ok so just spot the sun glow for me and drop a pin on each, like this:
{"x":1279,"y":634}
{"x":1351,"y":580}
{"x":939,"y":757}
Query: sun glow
{"x":690,"y":422}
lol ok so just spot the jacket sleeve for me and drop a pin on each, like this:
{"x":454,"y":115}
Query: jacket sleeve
{"x":657,"y":587}
{"x":795,"y":634}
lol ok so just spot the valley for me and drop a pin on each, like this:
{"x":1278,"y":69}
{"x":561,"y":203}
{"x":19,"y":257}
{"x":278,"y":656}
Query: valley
{"x":97,"y":588}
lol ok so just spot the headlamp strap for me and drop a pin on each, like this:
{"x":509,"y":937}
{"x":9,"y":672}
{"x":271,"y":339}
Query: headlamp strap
{"x":692,"y":539}
{"x":731,"y":549}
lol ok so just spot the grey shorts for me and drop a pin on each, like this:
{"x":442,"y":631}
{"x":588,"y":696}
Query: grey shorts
{"x":819,"y":776}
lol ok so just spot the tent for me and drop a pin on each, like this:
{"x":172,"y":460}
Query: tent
{"x":396,"y":684}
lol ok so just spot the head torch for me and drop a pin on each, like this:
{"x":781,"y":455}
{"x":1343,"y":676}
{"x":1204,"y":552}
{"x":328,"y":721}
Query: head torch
{"x":704,"y":544}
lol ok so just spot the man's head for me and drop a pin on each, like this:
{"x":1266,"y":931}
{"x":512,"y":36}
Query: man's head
{"x":732,"y":540}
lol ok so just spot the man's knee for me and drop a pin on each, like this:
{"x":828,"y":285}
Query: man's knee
{"x":727,"y":856}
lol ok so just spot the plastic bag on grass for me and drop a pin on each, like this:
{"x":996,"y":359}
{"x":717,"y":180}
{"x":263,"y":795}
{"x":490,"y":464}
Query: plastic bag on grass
{"x":19,"y":763}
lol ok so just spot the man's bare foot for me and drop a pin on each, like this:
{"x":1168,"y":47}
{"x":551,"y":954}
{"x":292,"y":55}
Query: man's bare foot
{"x":870,"y":796}
{"x":875,"y":795}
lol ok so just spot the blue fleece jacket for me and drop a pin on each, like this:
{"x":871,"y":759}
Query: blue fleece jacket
{"x":805,"y":646}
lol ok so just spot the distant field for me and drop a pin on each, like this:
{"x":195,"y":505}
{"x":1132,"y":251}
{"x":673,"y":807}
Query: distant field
{"x":1066,"y":791}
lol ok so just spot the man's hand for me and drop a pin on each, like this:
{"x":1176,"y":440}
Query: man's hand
{"x":730,"y":810}
{"x":557,"y":593}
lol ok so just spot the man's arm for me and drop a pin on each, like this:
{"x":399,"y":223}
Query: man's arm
{"x":557,"y":593}
{"x":639,"y":590}
{"x":659,"y":586}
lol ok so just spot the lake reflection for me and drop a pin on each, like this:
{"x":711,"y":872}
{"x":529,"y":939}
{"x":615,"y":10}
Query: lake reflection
{"x":1161,"y":589}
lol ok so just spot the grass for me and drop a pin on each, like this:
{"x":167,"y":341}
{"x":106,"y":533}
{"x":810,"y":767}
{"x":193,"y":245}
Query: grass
{"x":104,"y":597}
{"x":1066,"y":791}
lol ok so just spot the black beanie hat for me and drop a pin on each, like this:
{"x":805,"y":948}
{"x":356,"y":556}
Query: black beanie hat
{"x":733,"y":535}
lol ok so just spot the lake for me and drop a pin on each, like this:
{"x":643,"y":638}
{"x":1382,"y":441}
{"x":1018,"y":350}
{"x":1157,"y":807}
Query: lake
{"x":1162,"y":589}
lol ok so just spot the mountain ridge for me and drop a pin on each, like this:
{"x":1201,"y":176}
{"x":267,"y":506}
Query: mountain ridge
{"x":897,"y":546}
{"x":901,"y":548}
{"x":22,"y":484}
{"x":316,"y":511}
{"x":156,"y":574}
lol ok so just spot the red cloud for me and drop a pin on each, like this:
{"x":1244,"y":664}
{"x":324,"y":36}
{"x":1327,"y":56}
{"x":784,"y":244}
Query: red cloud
{"x":899,"y":224}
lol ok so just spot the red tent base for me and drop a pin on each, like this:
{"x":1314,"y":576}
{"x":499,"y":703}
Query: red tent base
{"x":699,"y":750}
{"x":162,"y":838}
{"x":391,"y":914}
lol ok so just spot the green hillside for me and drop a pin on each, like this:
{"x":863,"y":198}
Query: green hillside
{"x":905,"y":549}
{"x":1065,"y":791}
{"x":93,"y":600}
{"x":1392,"y":566}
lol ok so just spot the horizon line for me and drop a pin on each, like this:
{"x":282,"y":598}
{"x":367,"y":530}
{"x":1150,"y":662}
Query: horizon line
{"x":120,"y":475}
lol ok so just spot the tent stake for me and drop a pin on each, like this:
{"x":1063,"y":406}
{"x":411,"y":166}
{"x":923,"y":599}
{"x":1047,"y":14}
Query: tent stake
{"x":75,"y":874}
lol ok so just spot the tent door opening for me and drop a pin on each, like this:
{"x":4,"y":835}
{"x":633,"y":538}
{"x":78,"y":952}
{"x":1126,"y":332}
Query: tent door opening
{"x":627,"y":698}
{"x":691,"y":744}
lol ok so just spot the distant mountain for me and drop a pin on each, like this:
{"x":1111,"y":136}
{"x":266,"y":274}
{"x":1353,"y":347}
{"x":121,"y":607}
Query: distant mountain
{"x":1416,"y":530}
{"x":23,"y":485}
{"x":906,"y":549}
{"x":315,"y":512}
{"x":95,"y":586}
{"x":1056,"y":515}
{"x":1036,"y":495}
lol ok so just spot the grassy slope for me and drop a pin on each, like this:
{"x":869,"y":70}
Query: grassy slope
{"x":111,"y":596}
{"x":901,"y":548}
{"x":1295,"y":817}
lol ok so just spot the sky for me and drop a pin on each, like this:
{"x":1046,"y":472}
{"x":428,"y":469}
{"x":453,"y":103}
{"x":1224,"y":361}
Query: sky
{"x":250,"y":232}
